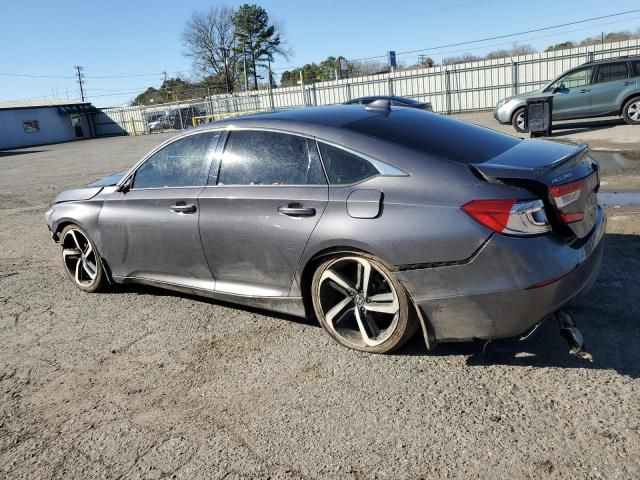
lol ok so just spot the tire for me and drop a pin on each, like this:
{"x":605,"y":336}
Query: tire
{"x":375,"y":316}
{"x":631,"y":111}
{"x":81,"y":261}
{"x":517,"y":120}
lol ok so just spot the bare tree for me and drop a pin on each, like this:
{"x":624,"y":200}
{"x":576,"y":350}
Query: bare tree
{"x":208,"y":38}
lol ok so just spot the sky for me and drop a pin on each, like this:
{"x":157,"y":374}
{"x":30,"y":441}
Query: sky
{"x":124,"y":46}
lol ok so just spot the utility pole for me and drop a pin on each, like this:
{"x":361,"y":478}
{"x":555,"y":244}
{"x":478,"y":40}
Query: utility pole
{"x":80,"y":80}
{"x":166,"y":87}
{"x":244,"y":64}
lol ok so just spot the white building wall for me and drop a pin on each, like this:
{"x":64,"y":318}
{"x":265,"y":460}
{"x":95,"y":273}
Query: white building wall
{"x":53,"y":127}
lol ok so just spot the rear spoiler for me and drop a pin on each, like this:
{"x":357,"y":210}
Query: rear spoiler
{"x":527,"y":161}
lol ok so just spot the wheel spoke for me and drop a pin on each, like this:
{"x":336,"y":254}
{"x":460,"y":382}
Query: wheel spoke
{"x":371,"y":323}
{"x":366,"y":276}
{"x":88,"y":250}
{"x":90,"y":269}
{"x":75,"y":239}
{"x":363,"y":331}
{"x":339,"y":307}
{"x":382,"y":307}
{"x":337,"y":279}
{"x":78,"y":272}
{"x":71,"y":252}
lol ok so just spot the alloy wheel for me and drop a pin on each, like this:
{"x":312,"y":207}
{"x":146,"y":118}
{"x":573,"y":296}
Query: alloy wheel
{"x":520,"y":121}
{"x":79,"y":258}
{"x":633,"y":111}
{"x":358,"y":302}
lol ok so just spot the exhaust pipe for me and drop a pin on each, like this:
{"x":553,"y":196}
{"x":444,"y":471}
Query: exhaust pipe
{"x":572,"y":335}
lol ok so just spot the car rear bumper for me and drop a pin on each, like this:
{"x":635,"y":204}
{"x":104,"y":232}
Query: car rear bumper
{"x":503,"y":291}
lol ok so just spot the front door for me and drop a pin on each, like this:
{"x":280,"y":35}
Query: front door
{"x":76,"y":124}
{"x":572,"y":94}
{"x":256,"y":219}
{"x":151,"y":231}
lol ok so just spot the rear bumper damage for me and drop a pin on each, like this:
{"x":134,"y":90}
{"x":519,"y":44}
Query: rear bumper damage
{"x":509,"y":286}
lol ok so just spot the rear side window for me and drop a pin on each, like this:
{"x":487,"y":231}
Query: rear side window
{"x":344,"y":168}
{"x":436,"y":135}
{"x":636,"y":67}
{"x":270,"y":158}
{"x":612,"y":72}
{"x":183,"y":163}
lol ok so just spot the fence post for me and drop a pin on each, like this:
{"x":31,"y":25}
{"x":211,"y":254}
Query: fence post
{"x":591,"y":56}
{"x":315,"y":98}
{"x":304,"y":103}
{"x":447,"y":91}
{"x":514,"y":75}
{"x":133,"y":126}
{"x":348,"y":91}
{"x":390,"y":86}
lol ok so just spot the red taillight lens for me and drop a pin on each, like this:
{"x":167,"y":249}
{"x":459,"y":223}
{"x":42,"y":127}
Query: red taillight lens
{"x":567,"y":193}
{"x":493,"y":214}
{"x":510,"y":217}
{"x":572,"y":217}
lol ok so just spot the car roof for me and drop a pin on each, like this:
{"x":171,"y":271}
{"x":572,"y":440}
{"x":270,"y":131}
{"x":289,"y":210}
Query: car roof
{"x":625,"y":58}
{"x":387,"y":97}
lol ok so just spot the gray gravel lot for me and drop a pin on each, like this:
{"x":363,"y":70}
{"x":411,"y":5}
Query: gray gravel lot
{"x":143,"y":383}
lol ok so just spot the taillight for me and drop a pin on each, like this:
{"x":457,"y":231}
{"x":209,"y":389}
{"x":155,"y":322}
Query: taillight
{"x":567,"y":193}
{"x":510,"y":217}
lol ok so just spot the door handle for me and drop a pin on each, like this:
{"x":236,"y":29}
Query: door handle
{"x":626,"y":83}
{"x":297,"y":211}
{"x":584,"y":90}
{"x":183,"y":208}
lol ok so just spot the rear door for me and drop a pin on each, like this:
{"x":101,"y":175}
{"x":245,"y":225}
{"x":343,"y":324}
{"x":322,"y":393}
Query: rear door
{"x":612,"y":84}
{"x":151,"y":231}
{"x":256,"y":218}
{"x":572,"y":94}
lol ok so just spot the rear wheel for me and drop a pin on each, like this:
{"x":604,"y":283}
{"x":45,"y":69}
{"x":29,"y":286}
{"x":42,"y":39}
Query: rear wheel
{"x":517,"y":120}
{"x":361,"y":305}
{"x":81,"y":260}
{"x":631,"y":111}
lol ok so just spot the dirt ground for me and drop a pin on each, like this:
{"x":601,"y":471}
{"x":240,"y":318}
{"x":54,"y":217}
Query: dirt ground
{"x":143,"y":383}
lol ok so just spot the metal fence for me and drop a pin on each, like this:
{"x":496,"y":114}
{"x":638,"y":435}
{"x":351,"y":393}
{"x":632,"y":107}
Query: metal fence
{"x":450,"y":88}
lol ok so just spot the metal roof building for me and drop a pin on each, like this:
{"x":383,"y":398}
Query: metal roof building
{"x":26,"y":123}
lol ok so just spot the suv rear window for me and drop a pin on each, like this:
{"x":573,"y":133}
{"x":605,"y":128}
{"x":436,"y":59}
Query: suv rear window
{"x":437,"y":135}
{"x":612,"y":72}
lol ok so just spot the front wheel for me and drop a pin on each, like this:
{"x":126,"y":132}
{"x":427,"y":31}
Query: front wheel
{"x":631,"y":111}
{"x":518,"y":121}
{"x":81,"y":260}
{"x":361,"y":305}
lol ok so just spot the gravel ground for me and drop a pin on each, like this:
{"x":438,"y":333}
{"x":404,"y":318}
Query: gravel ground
{"x":143,"y":383}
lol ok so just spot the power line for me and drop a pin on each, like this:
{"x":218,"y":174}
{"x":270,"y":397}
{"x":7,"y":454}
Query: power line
{"x":440,"y":47}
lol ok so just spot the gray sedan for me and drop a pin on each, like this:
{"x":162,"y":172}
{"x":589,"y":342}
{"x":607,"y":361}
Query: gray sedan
{"x":379,"y":221}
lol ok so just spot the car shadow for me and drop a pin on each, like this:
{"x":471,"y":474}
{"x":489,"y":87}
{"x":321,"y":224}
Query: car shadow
{"x":26,"y":151}
{"x":608,"y":317}
{"x":568,"y":128}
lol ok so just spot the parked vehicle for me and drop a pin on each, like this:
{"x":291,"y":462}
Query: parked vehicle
{"x":175,"y":119}
{"x":395,"y":101}
{"x":594,"y":89}
{"x":374,"y":219}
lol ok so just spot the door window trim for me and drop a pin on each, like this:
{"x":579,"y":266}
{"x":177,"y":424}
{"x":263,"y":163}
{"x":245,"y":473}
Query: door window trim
{"x":384,"y":169}
{"x":597,"y":72}
{"x":132,"y":172}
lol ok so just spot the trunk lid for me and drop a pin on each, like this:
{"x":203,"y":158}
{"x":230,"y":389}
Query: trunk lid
{"x":565,"y":177}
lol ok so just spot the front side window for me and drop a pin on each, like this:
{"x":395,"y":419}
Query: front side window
{"x":344,"y":168}
{"x":253,"y":157}
{"x":183,"y":163}
{"x":613,"y":72}
{"x":575,"y":79}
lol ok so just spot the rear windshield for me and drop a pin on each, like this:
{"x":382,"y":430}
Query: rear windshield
{"x":436,"y":135}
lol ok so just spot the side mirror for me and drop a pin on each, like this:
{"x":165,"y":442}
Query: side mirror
{"x":126,"y":186}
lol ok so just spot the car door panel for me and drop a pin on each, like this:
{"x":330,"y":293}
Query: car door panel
{"x":572,"y":95}
{"x":256,"y":220}
{"x":611,"y":88}
{"x":150,"y":226}
{"x":252,"y":248}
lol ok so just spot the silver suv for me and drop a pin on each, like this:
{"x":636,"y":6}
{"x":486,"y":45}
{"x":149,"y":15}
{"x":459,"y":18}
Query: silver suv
{"x":594,"y":89}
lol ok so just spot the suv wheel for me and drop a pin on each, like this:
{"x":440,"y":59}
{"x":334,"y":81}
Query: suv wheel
{"x":517,"y":120}
{"x":631,"y":111}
